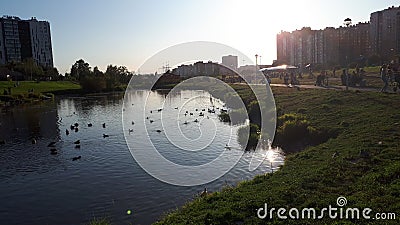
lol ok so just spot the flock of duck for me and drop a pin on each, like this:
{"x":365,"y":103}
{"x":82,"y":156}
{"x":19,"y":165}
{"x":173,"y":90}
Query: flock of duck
{"x":201,"y":114}
{"x":73,"y":128}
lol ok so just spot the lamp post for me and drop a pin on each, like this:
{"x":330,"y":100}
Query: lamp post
{"x":256,"y":66}
{"x":347,"y":23}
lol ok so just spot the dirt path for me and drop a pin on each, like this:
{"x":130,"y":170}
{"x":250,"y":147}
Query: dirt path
{"x":331,"y":87}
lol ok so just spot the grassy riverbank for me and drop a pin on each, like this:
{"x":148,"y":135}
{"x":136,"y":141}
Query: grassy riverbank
{"x":361,"y":162}
{"x":28,"y":91}
{"x":38,"y":87}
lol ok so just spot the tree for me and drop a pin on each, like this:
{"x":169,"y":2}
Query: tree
{"x":52,"y":72}
{"x":80,"y":70}
{"x":29,"y":68}
{"x":97,"y":72}
{"x":116,"y":75}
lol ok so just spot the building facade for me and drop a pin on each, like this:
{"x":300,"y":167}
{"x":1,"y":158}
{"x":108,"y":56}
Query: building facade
{"x":230,"y":61}
{"x":343,"y":45}
{"x":385,"y":33}
{"x":23,"y":39}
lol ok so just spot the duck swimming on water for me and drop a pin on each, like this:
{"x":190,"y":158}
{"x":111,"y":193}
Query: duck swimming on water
{"x":76,"y":158}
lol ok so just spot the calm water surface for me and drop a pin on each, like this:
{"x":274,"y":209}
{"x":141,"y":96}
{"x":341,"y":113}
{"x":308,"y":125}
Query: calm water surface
{"x":39,"y":188}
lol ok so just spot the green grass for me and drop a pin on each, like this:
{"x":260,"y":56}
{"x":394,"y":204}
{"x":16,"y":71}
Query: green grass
{"x":365,"y":167}
{"x":101,"y":221}
{"x":41,"y":87}
{"x":22,"y":93}
{"x":372,"y":77}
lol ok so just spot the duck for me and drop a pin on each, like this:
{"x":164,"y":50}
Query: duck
{"x":176,"y":107}
{"x":77,"y":142}
{"x":187,"y":111}
{"x":158,"y":131}
{"x":76,"y":158}
{"x":72,"y":127}
{"x":201,"y":114}
{"x":133,"y":123}
{"x":66,"y":132}
{"x":185,"y":114}
{"x":185,"y":123}
{"x":34,"y":141}
{"x":227,"y":147}
{"x":204,"y":192}
{"x":147,"y":118}
{"x":130,"y":130}
{"x":53,"y":151}
{"x":105,"y":135}
{"x":191,"y":114}
{"x":104,"y":125}
{"x":90,"y":125}
{"x":78,"y":146}
{"x":203,"y":110}
{"x":151,"y":121}
{"x":151,"y":111}
{"x":76,"y":124}
{"x":76,"y":129}
{"x":196,"y":110}
{"x":159,"y":110}
{"x":52,"y":144}
{"x":196,"y":121}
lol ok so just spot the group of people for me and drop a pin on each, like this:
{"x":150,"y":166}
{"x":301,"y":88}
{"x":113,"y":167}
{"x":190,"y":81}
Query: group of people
{"x":353,"y":79}
{"x":290,"y":79}
{"x":322,"y":79}
{"x":390,"y":74}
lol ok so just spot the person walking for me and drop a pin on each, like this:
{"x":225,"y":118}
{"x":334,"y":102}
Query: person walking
{"x":384,"y":78}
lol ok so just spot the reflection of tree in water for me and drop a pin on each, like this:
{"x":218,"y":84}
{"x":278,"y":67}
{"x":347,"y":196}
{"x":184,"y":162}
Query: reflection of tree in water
{"x":30,"y":121}
{"x":84,"y":105}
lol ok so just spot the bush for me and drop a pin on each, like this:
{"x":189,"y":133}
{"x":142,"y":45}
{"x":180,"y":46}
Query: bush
{"x":224,"y":117}
{"x":254,"y":112}
{"x":93,"y":84}
{"x":248,"y":136}
{"x":294,"y":130}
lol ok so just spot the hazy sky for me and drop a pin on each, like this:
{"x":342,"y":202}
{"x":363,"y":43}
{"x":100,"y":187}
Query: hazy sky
{"x":127,"y":32}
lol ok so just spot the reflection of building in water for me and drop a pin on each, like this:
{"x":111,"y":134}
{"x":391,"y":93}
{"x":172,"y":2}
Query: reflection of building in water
{"x":30,"y":122}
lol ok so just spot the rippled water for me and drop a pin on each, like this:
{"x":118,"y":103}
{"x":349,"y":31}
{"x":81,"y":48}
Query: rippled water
{"x":39,"y":188}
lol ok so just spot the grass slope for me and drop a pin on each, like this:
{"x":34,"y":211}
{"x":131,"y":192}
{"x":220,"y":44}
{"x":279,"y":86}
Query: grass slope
{"x":41,"y":87}
{"x":365,"y":169}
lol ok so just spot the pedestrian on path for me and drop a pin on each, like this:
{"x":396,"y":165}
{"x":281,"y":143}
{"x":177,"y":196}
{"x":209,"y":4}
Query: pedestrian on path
{"x":384,"y":78}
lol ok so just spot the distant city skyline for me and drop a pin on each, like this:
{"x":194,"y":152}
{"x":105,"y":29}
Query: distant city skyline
{"x":129,"y":32}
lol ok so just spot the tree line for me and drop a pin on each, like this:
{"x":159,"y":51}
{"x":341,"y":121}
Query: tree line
{"x":115,"y":78}
{"x":30,"y":70}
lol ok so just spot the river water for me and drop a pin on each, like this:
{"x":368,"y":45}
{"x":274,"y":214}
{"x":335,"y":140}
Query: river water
{"x":37,"y":187}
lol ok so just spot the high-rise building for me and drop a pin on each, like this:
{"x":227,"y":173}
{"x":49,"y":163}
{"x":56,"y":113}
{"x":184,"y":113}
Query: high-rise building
{"x":23,"y":39}
{"x":343,"y":45}
{"x":385,"y":33}
{"x":230,"y":61}
{"x":330,"y":46}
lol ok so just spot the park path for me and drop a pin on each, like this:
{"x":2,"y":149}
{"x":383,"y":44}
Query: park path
{"x":330,"y":87}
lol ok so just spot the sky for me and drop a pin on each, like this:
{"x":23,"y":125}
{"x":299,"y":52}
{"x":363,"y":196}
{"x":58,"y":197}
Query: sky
{"x":128,"y":32}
